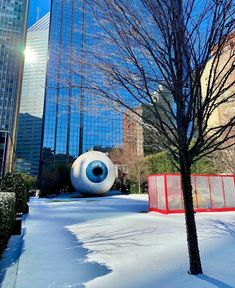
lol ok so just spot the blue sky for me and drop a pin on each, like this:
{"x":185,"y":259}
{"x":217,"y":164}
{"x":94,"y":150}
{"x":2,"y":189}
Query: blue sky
{"x":43,"y":7}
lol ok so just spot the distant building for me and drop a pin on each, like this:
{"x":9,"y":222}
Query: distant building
{"x":152,"y":138}
{"x":133,"y":133}
{"x":28,"y":144}
{"x":32,"y":98}
{"x":74,"y":121}
{"x":13,"y":19}
{"x":227,"y":110}
{"x":55,"y":75}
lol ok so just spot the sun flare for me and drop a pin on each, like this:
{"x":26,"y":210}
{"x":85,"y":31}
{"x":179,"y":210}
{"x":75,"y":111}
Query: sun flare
{"x":30,"y":55}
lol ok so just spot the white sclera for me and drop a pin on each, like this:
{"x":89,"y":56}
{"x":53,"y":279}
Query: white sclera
{"x":79,"y":177}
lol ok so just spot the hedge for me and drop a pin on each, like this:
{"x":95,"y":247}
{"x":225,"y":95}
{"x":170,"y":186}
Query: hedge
{"x":15,"y":183}
{"x":7,"y":217}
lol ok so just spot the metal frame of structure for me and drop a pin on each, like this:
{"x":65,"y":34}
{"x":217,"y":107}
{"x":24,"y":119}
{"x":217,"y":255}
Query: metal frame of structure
{"x":211,"y":193}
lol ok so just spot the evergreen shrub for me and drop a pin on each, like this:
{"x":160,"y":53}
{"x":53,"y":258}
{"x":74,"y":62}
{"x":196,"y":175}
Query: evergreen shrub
{"x":14,"y":182}
{"x":7,"y":217}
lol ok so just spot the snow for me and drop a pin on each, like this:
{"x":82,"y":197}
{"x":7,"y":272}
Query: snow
{"x":112,"y":242}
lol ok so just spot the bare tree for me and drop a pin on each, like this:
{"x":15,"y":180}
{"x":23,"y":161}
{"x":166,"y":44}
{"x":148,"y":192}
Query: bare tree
{"x":179,"y":44}
{"x":225,"y":160}
{"x":132,"y":166}
{"x":138,"y":170}
{"x":119,"y":158}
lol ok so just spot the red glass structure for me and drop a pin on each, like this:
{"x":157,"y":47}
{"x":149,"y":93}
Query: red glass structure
{"x":210,"y":193}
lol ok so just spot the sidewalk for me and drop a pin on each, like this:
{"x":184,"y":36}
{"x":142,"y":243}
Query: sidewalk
{"x":47,"y":255}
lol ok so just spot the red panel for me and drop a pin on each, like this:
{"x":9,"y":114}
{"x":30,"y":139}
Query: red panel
{"x":209,"y":184}
{"x":166,"y":193}
{"x":174,"y":192}
{"x":149,"y":189}
{"x":195,"y":190}
{"x":229,"y":191}
{"x":217,"y":194}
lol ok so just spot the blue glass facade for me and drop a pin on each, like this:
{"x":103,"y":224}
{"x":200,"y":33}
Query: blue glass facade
{"x":74,"y":121}
{"x":28,"y":144}
{"x":32,"y":98}
{"x":13,"y":20}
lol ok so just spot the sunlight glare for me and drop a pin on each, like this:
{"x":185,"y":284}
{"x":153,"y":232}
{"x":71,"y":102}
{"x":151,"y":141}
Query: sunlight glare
{"x":30,"y":55}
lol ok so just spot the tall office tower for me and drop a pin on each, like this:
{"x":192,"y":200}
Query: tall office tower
{"x":74,"y":121}
{"x":13,"y":19}
{"x":133,"y":133}
{"x":226,"y":111}
{"x":32,"y":98}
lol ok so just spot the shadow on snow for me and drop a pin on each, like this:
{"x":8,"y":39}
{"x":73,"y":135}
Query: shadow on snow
{"x":50,"y":255}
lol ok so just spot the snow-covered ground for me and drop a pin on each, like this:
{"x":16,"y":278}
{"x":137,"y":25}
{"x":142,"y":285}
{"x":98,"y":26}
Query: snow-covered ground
{"x":111,"y":242}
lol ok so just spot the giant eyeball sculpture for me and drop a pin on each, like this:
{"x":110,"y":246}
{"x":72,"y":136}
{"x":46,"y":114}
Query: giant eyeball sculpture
{"x":92,"y":173}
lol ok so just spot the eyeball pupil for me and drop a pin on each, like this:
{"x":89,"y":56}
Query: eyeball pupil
{"x":97,"y":171}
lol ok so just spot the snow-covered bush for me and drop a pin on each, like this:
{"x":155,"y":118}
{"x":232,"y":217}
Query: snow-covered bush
{"x":7,"y":217}
{"x":15,"y":183}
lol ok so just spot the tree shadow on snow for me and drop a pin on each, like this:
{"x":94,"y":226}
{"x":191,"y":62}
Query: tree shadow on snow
{"x":50,"y":256}
{"x":224,"y":226}
{"x":213,"y":281}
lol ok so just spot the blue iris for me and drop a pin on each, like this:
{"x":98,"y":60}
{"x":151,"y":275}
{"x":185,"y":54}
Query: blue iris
{"x":96,"y":171}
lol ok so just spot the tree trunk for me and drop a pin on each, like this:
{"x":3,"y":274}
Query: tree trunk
{"x":191,"y":230}
{"x":139,"y":186}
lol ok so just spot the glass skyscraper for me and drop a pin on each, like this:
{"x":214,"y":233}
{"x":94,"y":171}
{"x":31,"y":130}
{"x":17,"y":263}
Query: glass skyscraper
{"x":74,"y":121}
{"x":13,"y":20}
{"x":32,"y":98}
